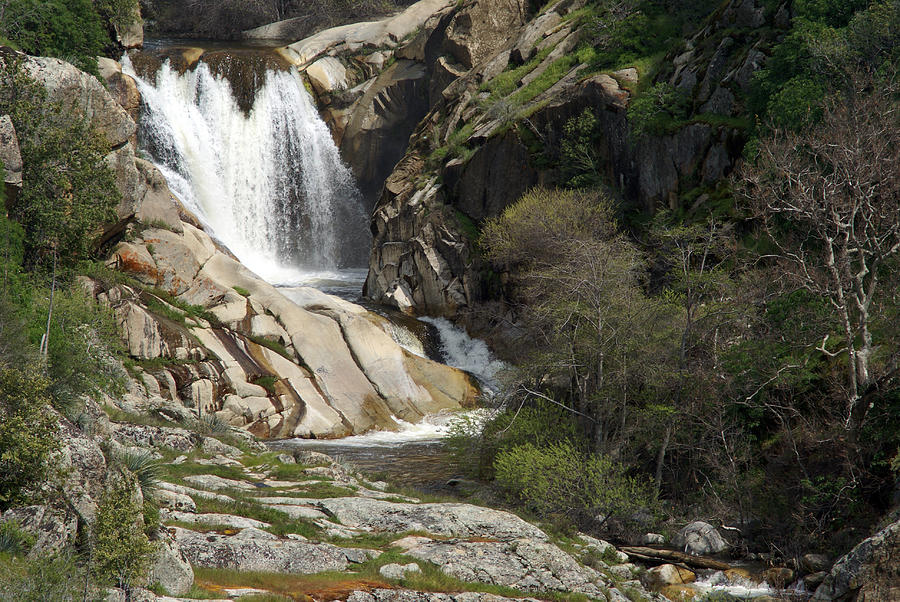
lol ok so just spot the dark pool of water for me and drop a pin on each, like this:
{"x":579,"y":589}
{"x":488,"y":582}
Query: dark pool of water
{"x":422,"y":465}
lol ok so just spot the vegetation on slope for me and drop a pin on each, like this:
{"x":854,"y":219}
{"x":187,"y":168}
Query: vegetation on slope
{"x":719,"y":360}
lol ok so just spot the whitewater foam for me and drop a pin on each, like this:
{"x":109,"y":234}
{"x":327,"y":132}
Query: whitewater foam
{"x":461,"y":351}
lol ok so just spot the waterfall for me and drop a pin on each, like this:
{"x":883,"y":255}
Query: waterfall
{"x":472,"y":355}
{"x":269,"y":183}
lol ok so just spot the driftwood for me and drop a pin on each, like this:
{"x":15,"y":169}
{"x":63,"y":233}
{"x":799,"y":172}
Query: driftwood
{"x":674,"y":557}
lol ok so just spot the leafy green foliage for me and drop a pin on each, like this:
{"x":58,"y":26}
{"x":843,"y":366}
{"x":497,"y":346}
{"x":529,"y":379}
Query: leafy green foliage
{"x":57,"y":578}
{"x":70,"y":29}
{"x":658,"y":111}
{"x":121,"y":550}
{"x":561,"y":479}
{"x":68,"y":191}
{"x":27,"y":432}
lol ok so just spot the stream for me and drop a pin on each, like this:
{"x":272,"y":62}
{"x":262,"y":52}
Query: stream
{"x":241,"y":143}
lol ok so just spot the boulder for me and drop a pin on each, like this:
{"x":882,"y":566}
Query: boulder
{"x":700,"y":539}
{"x":254,"y":550}
{"x":813,"y":563}
{"x":377,"y":34}
{"x":481,"y":27}
{"x":398,"y":571}
{"x":216,"y":520}
{"x":667,"y":574}
{"x":870,"y":570}
{"x":525,"y":564}
{"x":174,"y":501}
{"x":778,"y":576}
{"x":10,"y":157}
{"x":83,"y":96}
{"x":525,"y":46}
{"x":169,"y":568}
{"x":652,"y":539}
{"x":122,"y":87}
{"x":327,"y":75}
{"x":216,"y":483}
{"x":455,"y":520}
{"x":53,"y":528}
{"x":129,"y":28}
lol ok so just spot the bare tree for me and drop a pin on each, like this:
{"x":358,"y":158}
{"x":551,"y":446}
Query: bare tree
{"x":830,"y":199}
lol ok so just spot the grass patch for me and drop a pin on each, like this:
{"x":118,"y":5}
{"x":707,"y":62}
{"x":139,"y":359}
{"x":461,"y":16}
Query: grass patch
{"x":506,"y":83}
{"x":267,"y":382}
{"x":273,"y":345}
{"x":241,"y":291}
{"x":322,"y":586}
{"x":179,"y":471}
{"x":455,"y":147}
{"x":121,"y":416}
{"x":281,"y":523}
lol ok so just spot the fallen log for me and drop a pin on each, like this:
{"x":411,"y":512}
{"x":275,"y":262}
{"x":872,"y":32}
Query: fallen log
{"x":674,"y":557}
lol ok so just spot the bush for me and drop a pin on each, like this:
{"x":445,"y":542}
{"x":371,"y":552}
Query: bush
{"x":69,"y":29}
{"x":658,"y":111}
{"x":121,"y":550}
{"x":57,"y":578}
{"x":68,"y":191}
{"x":474,"y":444}
{"x":561,"y":479}
{"x":27,"y":432}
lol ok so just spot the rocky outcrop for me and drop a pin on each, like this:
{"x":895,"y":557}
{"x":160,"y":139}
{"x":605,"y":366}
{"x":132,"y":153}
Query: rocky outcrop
{"x":255,"y":550}
{"x":145,"y":194}
{"x":330,"y":367}
{"x":170,"y":568}
{"x":10,"y":158}
{"x":458,"y":166}
{"x":452,"y":520}
{"x":870,"y":571}
{"x":525,"y":564}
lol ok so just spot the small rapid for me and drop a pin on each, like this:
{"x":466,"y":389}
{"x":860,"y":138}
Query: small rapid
{"x":268,"y":183}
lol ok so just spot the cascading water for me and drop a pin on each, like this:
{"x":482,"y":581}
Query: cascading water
{"x":269,"y":183}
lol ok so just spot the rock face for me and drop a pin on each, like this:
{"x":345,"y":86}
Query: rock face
{"x":10,"y":158}
{"x":699,"y":538}
{"x":870,"y":571}
{"x":145,"y":194}
{"x":170,"y":569}
{"x":333,"y":368}
{"x":454,"y":520}
{"x":525,"y":564}
{"x":456,"y":169}
{"x":255,"y":550}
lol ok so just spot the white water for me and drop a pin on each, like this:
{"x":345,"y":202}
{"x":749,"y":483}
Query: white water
{"x":269,"y":184}
{"x":463,"y":352}
{"x":744,"y":588}
{"x":433,"y":427}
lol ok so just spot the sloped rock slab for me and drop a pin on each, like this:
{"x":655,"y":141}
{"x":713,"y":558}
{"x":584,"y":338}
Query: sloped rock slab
{"x":455,"y":520}
{"x":254,"y":550}
{"x":405,"y":595}
{"x":524,"y":564}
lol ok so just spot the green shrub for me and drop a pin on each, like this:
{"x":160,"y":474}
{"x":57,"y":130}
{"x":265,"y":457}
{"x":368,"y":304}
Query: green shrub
{"x":69,"y":192}
{"x":560,"y":479}
{"x":69,"y":29}
{"x":144,"y":467}
{"x":121,"y":549}
{"x":58,"y":578}
{"x":474,"y":444}
{"x":27,"y":432}
{"x":14,"y":540}
{"x":657,"y":111}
